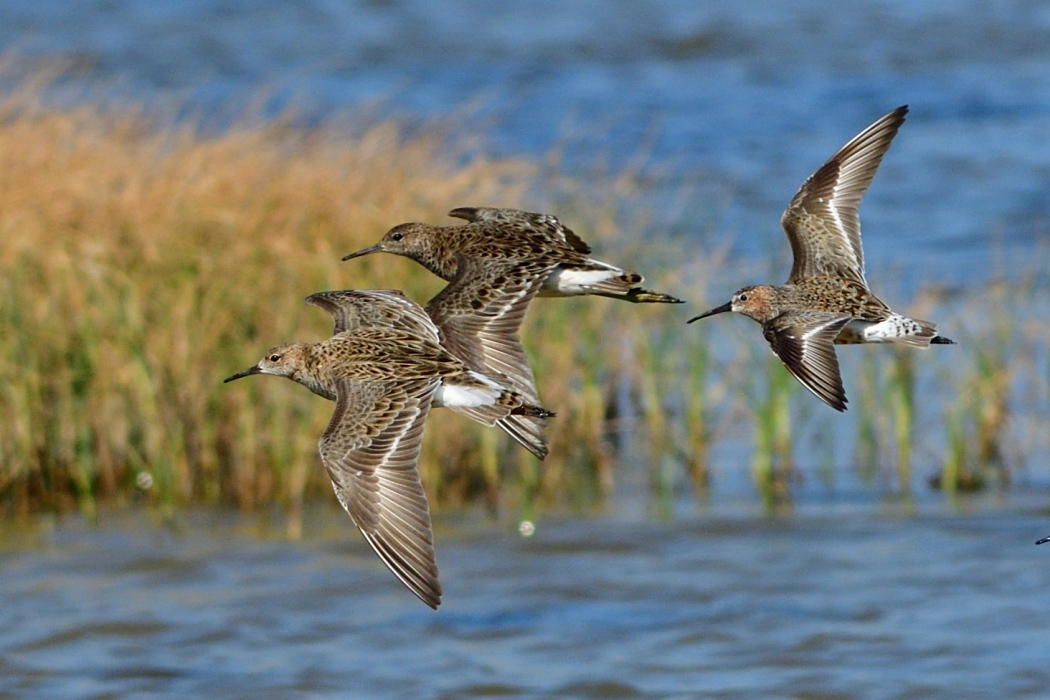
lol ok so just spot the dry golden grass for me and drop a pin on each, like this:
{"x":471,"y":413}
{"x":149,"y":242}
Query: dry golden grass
{"x":141,"y":263}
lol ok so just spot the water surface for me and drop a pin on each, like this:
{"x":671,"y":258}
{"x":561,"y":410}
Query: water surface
{"x":859,"y":604}
{"x":732,"y":103}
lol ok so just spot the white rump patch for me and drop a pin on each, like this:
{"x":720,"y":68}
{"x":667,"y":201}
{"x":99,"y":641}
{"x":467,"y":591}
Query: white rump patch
{"x":461,"y":396}
{"x":568,"y":282}
{"x":896,"y":328}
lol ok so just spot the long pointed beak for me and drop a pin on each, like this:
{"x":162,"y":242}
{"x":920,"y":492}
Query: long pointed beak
{"x":377,"y":248}
{"x":728,"y":306}
{"x":254,"y":369}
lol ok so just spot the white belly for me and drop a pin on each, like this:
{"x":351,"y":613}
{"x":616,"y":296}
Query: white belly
{"x":855,"y":332}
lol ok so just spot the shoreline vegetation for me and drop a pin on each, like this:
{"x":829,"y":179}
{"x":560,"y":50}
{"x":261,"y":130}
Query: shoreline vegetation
{"x":143,"y":260}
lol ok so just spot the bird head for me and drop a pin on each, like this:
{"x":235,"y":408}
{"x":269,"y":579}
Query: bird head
{"x":756,"y":301}
{"x":403,"y":239}
{"x":282,"y":361}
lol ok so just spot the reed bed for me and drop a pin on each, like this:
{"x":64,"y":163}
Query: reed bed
{"x":142,"y":260}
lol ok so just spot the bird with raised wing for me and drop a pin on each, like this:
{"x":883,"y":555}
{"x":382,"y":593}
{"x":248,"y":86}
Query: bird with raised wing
{"x":391,"y":308}
{"x":512,"y":234}
{"x":385,"y":369}
{"x":826,"y":300}
{"x":496,"y":264}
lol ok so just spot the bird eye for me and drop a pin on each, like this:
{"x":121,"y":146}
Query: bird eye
{"x":742,"y":297}
{"x":275,"y":357}
{"x":396,"y":236}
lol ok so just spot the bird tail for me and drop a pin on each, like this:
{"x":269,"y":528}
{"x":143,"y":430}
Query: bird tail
{"x":623,"y":287}
{"x":637,"y":295}
{"x":479,"y":398}
{"x":915,"y":332}
{"x":528,"y":431}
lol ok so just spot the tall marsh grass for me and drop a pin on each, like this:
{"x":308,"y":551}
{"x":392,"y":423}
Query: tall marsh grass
{"x":143,"y":260}
{"x":140,"y":263}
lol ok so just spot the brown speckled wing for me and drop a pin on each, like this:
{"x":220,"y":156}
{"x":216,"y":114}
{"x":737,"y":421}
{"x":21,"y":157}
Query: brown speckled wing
{"x":374,"y":308}
{"x":822,"y":221}
{"x":804,"y":342}
{"x":370,"y":450}
{"x":479,"y":314}
{"x":546,"y":225}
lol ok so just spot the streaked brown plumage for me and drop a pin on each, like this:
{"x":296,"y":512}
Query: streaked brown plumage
{"x":479,"y":314}
{"x":464,"y":337}
{"x":385,"y":369}
{"x":826,"y":300}
{"x":512,"y":235}
{"x":495,"y":265}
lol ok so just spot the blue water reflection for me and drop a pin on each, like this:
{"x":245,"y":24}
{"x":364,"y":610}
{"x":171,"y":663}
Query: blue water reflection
{"x":737,"y":100}
{"x":869,"y":606}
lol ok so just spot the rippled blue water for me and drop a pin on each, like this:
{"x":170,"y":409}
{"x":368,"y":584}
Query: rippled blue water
{"x":738,"y":99}
{"x":864,"y":606}
{"x":735,"y":102}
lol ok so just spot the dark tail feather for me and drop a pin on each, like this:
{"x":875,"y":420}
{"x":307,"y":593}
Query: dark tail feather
{"x":637,"y":295}
{"x":941,"y":340}
{"x":534,"y":411}
{"x":529,"y":431}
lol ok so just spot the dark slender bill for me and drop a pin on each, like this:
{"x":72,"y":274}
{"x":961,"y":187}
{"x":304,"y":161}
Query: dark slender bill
{"x":254,"y":369}
{"x":826,"y":290}
{"x":365,"y":251}
{"x":728,"y":306}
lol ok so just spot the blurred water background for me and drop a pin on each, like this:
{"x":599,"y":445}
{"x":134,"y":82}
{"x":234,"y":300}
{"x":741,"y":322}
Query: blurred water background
{"x":839,"y":604}
{"x":739,"y":101}
{"x":720,"y":109}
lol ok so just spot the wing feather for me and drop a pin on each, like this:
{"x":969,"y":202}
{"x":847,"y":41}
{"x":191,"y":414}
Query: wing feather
{"x":546,"y":225}
{"x":374,"y":308}
{"x":804,"y":342}
{"x":479,"y":315}
{"x":822,"y":221}
{"x":370,"y":450}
